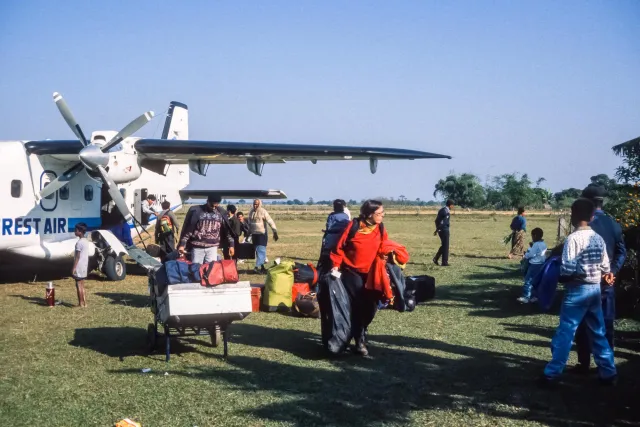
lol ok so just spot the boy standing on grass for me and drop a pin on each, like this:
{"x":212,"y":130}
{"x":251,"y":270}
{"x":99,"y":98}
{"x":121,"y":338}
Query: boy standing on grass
{"x":536,"y":258}
{"x":80,"y":269}
{"x":584,"y":264}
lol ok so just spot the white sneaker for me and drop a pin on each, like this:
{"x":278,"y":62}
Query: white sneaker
{"x":533,"y":299}
{"x":524,"y":300}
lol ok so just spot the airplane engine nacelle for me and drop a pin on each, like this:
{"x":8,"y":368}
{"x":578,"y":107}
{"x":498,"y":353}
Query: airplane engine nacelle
{"x":123,"y":167}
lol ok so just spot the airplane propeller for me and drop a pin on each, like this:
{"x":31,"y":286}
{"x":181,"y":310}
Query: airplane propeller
{"x":94,"y":157}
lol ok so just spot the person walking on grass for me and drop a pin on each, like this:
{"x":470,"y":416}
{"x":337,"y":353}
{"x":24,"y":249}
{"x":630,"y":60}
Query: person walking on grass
{"x":611,"y":233}
{"x":354,"y":258}
{"x":442,"y":230}
{"x":518,"y":232}
{"x":535,"y":257}
{"x":585,"y":264}
{"x":83,"y":250}
{"x":258,"y":220}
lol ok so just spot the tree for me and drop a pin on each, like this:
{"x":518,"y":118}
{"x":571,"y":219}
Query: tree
{"x":512,"y":190}
{"x":310,"y":201}
{"x":564,"y":198}
{"x":465,"y":190}
{"x":603,"y":180}
{"x":241,"y":202}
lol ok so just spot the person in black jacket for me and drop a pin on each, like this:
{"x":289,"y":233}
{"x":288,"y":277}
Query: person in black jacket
{"x":442,"y":230}
{"x":239,"y":228}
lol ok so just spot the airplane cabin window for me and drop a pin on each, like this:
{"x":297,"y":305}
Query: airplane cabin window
{"x":64,"y":192}
{"x":50,"y":196}
{"x":88,"y":193}
{"x":16,"y":188}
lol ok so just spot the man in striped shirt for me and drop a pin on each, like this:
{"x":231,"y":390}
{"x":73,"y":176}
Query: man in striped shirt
{"x":584,"y":265}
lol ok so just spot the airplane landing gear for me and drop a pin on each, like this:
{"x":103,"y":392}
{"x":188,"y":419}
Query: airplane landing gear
{"x":114,"y":268}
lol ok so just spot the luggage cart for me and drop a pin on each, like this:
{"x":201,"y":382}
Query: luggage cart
{"x":190,"y":309}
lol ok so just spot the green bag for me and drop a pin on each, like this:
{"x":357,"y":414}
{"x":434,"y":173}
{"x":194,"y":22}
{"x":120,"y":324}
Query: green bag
{"x":277,"y":287}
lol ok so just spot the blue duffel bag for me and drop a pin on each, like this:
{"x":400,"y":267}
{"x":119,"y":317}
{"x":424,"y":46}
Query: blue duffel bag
{"x":174,"y":272}
{"x":548,"y":282}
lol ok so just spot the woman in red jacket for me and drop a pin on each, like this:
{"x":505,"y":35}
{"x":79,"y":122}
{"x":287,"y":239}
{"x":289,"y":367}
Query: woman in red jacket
{"x":353,"y":258}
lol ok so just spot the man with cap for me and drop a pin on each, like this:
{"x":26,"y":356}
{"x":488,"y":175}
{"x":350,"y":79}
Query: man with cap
{"x":205,"y":227}
{"x":611,"y":232}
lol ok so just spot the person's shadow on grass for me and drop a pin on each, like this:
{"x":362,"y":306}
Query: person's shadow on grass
{"x":405,"y":378}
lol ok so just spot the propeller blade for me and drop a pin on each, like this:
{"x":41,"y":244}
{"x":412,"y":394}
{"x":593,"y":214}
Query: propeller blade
{"x":68,"y":117}
{"x":60,"y":181}
{"x":115,"y":194}
{"x":129,"y":130}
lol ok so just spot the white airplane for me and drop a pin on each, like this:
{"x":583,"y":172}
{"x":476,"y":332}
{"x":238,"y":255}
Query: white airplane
{"x":52,"y":185}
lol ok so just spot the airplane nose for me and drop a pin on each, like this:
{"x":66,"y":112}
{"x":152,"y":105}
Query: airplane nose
{"x":91,"y":156}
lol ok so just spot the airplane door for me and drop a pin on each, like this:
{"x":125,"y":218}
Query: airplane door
{"x":49,"y":203}
{"x":139,"y":195}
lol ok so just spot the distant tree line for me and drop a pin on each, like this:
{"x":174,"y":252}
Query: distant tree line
{"x":511,"y":191}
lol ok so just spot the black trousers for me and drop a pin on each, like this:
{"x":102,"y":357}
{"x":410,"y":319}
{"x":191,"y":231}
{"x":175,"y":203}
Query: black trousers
{"x":583,"y":345}
{"x":444,"y":246}
{"x":167,"y":243}
{"x":225,"y":250}
{"x":363,"y":303}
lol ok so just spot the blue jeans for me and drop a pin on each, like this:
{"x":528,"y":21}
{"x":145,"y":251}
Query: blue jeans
{"x":261,"y":255}
{"x":530,"y":279}
{"x":581,"y":302}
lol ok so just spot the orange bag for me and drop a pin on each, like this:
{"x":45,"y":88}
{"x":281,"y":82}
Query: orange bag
{"x":299,"y":288}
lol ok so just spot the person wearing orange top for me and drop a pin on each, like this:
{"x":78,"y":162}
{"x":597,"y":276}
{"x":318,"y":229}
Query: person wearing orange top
{"x":353,"y":258}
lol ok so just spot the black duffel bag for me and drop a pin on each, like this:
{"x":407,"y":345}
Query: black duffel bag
{"x":335,"y":314}
{"x":423,"y":287}
{"x":245,"y":251}
{"x":305,"y":273}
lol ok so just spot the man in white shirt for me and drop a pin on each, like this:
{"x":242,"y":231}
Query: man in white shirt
{"x":148,"y":208}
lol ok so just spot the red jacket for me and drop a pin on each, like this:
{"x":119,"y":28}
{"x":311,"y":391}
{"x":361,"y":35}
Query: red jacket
{"x":378,"y":279}
{"x":360,"y":253}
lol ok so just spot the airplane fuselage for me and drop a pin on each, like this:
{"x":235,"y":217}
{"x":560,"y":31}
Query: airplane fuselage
{"x":43,"y":230}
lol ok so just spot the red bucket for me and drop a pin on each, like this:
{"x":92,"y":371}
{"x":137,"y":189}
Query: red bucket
{"x":256,"y":295}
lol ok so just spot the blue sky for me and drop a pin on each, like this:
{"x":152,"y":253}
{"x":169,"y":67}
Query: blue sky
{"x":544,"y":87}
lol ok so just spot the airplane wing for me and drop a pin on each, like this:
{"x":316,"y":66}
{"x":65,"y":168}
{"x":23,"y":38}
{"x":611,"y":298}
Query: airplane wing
{"x":155,"y":154}
{"x":233,"y":194}
{"x":176,"y":151}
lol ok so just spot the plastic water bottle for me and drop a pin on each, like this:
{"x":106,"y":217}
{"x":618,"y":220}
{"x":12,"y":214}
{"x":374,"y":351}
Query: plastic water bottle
{"x":50,"y":295}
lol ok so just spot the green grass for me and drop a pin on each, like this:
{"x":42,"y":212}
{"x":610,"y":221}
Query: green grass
{"x":470,"y":357}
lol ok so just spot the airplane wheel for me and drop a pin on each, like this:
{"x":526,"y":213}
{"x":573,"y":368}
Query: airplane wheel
{"x":114,"y":268}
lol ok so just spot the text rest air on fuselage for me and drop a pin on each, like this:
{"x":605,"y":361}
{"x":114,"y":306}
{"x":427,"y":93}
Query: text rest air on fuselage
{"x":26,"y":226}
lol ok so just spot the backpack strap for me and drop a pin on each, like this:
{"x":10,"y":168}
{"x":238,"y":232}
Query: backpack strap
{"x":355,"y":226}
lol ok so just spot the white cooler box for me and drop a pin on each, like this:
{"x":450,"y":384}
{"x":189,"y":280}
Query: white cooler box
{"x":193,"y":299}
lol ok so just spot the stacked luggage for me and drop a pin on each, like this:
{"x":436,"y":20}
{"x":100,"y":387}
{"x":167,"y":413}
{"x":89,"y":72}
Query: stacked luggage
{"x":289,"y":286}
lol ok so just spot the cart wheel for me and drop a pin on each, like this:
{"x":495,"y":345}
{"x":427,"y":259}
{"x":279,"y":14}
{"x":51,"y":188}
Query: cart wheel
{"x":216,"y":336}
{"x":152,"y":337}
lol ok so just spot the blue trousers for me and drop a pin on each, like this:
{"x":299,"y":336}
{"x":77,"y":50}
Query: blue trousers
{"x":531,"y":279}
{"x":261,"y":255}
{"x":583,"y":346}
{"x":581,"y":302}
